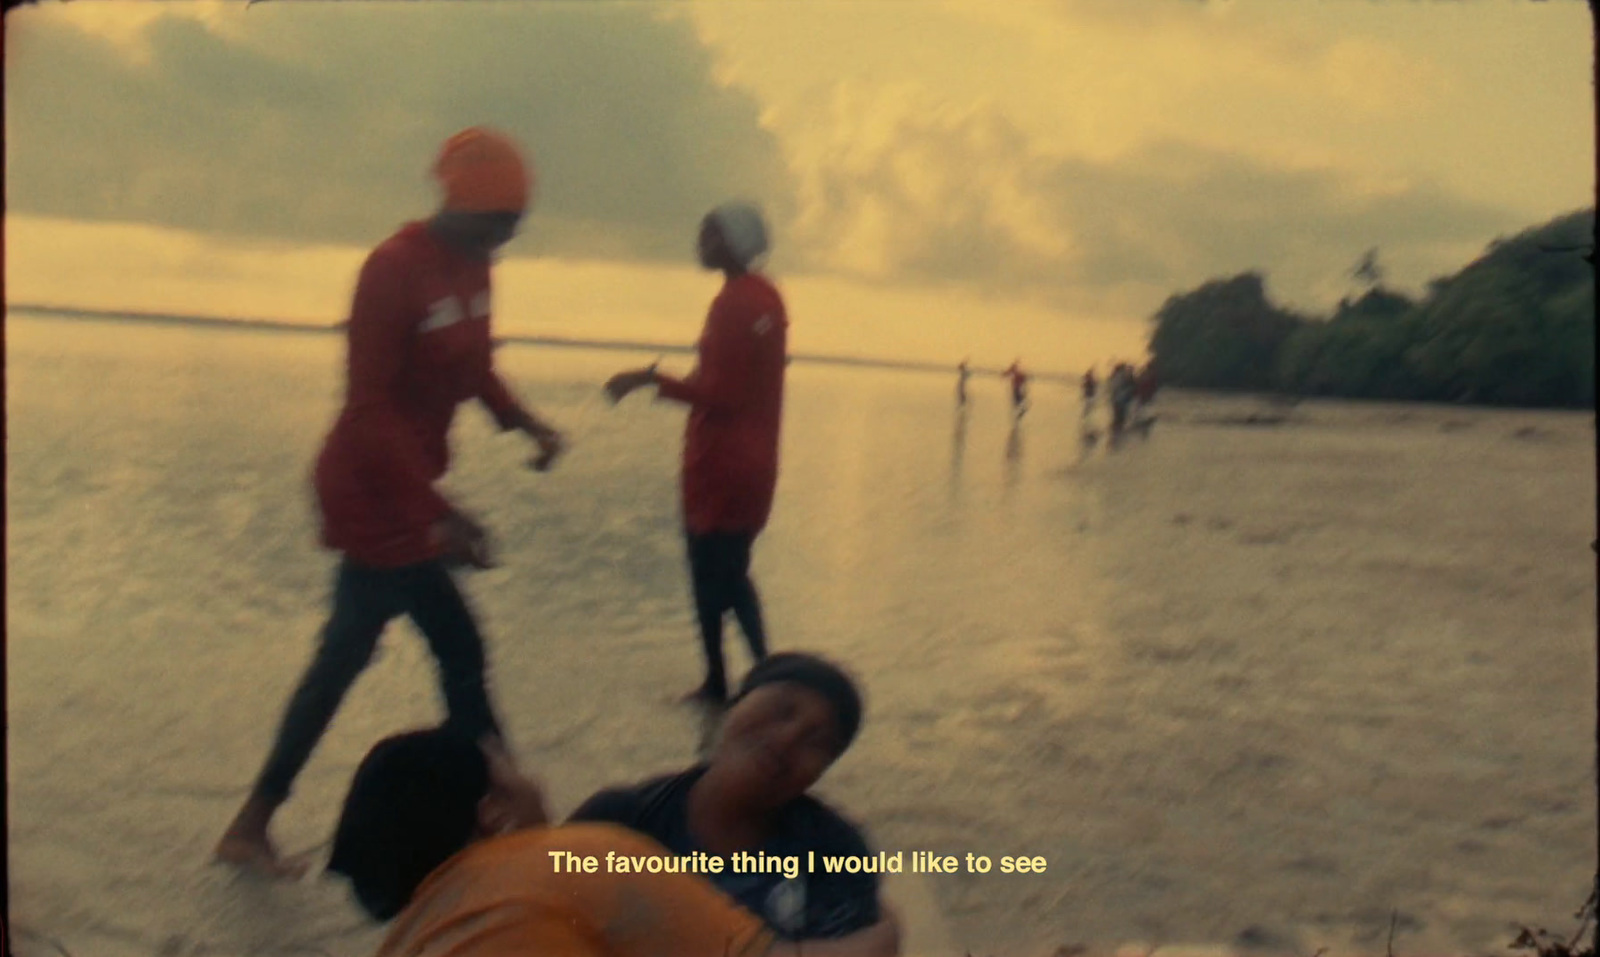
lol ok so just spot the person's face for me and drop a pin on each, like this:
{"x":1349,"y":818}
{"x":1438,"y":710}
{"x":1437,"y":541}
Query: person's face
{"x":515,"y":800}
{"x":776,"y":742}
{"x":709,"y":246}
{"x":478,"y":234}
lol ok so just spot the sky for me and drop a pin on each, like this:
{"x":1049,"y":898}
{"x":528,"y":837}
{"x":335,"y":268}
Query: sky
{"x":945,"y":178}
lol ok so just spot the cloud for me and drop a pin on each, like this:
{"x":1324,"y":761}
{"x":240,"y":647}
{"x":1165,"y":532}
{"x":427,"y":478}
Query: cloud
{"x":933,"y":193}
{"x":317,"y":122}
{"x":1125,"y":156}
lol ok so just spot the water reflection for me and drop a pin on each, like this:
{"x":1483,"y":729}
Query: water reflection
{"x":958,"y":447}
{"x":1088,"y":438}
{"x":1013,"y":469}
{"x":1001,"y":646}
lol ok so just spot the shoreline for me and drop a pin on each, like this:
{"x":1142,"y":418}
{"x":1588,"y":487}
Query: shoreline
{"x":196,"y":321}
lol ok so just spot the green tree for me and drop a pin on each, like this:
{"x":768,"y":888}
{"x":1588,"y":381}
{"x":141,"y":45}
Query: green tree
{"x":1514,"y":327}
{"x":1226,"y":334}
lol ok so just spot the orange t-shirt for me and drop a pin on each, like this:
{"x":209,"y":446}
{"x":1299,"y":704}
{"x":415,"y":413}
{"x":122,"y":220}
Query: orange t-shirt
{"x":504,"y":898}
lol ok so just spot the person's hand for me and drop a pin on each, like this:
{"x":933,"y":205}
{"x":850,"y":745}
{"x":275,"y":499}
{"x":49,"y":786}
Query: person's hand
{"x":880,"y":940}
{"x":887,"y":930}
{"x":516,"y":798}
{"x":619,"y":385}
{"x":463,"y":540}
{"x":551,"y":445}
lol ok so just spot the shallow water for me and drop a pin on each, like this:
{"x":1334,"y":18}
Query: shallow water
{"x":1272,"y":680}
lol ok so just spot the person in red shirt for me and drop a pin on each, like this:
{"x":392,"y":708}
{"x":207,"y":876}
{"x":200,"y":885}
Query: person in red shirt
{"x":1019,"y":388}
{"x":418,"y":346}
{"x":1145,"y":384}
{"x":730,"y":455}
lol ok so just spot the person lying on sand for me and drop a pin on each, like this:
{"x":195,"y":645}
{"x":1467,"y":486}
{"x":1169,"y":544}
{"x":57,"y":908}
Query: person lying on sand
{"x":794,"y":716}
{"x":443,"y":836}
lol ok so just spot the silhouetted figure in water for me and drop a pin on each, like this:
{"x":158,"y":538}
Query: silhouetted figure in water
{"x":1141,"y":389}
{"x":1145,"y":385}
{"x":1019,"y":388}
{"x":1122,"y":390}
{"x":1090,"y":386}
{"x":963,"y":373}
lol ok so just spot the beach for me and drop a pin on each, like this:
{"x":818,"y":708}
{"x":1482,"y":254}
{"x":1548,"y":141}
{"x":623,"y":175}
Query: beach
{"x":1269,"y":679}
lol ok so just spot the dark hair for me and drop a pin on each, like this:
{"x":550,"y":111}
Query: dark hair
{"x":820,"y":675}
{"x":412,"y":805}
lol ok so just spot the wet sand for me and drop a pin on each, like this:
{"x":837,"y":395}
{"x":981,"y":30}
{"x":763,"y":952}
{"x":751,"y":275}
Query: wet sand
{"x":1347,"y":675}
{"x":1253,"y":685}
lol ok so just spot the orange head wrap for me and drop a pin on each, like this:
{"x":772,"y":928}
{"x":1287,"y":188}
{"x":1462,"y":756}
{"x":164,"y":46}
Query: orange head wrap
{"x":482,"y":171}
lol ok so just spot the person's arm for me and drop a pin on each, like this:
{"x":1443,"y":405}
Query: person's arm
{"x":379,"y":334}
{"x":513,"y":926}
{"x":503,"y":405}
{"x":683,"y":914}
{"x":845,"y":903}
{"x":612,"y":805}
{"x":722,"y":379}
{"x":619,"y":385}
{"x":839,"y":904}
{"x":510,"y":414}
{"x":635,"y":913}
{"x":669,"y":914}
{"x":880,"y":940}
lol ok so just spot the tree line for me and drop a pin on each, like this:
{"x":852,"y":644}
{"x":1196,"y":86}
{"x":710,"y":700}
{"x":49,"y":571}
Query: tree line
{"x":1514,"y":327}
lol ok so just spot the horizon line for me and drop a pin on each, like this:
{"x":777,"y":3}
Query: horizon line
{"x":553,"y":341}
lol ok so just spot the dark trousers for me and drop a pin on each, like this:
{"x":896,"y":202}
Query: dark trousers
{"x":364,"y":601}
{"x":719,"y":569}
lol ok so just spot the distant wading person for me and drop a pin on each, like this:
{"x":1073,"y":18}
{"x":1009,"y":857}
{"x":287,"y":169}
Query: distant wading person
{"x":1145,"y":385}
{"x":963,"y":373}
{"x":1019,"y":388}
{"x":730,"y":455}
{"x":1122,"y":388}
{"x":419,"y":345}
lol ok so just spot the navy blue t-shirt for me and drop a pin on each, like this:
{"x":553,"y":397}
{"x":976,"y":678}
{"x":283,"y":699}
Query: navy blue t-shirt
{"x":809,"y":906}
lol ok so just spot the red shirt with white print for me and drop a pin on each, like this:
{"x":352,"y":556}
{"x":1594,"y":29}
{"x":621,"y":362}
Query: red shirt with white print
{"x":735,"y":395}
{"x":419,"y":345}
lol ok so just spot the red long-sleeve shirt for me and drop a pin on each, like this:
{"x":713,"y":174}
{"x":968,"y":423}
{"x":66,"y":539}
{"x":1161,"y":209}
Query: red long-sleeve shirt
{"x":735,"y":395}
{"x":419,"y":345}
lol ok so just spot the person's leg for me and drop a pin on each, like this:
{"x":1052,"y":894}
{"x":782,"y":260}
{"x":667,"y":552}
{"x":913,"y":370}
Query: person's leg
{"x":363,"y":602}
{"x":746,"y":602}
{"x":709,"y":605}
{"x":436,"y":605}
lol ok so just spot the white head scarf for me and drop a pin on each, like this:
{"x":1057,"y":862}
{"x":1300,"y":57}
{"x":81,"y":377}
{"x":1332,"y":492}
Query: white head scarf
{"x":743,"y":230}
